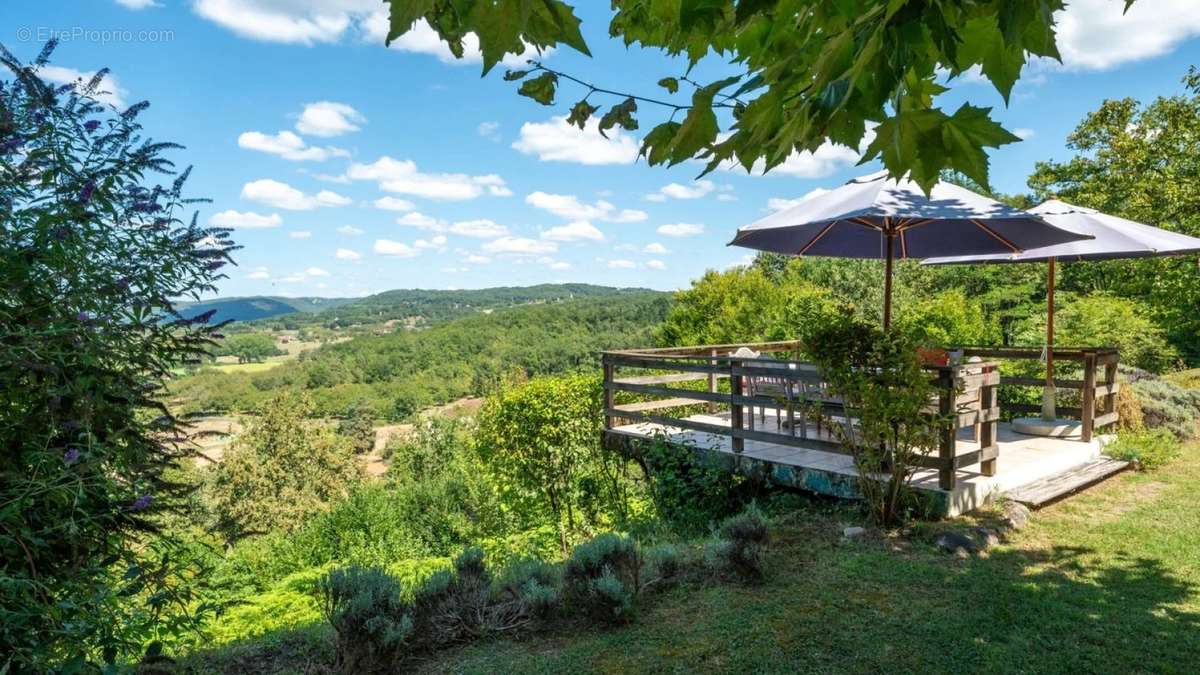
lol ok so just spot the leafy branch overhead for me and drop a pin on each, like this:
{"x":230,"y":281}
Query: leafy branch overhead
{"x":813,"y":71}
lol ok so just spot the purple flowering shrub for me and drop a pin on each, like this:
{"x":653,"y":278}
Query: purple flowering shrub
{"x":93,"y":251}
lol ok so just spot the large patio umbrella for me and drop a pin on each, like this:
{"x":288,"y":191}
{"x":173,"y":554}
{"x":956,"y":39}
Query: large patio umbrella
{"x":1112,"y":238}
{"x":877,"y":217}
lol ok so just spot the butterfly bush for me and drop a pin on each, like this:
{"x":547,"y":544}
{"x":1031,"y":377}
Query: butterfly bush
{"x":95,"y":245}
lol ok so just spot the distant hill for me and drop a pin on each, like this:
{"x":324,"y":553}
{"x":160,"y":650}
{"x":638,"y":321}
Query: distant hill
{"x":257,"y":307}
{"x":422,"y":307}
{"x":404,"y":371}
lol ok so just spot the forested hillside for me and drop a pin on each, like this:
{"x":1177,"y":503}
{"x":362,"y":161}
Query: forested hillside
{"x":403,"y":371}
{"x":257,"y":307}
{"x":422,"y":307}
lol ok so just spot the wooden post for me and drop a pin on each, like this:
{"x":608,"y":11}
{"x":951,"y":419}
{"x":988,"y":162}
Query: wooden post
{"x":946,"y":468}
{"x":887,"y":280}
{"x":1089,"y":395}
{"x":1110,"y":379}
{"x":608,"y":393}
{"x":1048,"y":411}
{"x":735,"y":409}
{"x":712,"y":380}
{"x":987,"y":431}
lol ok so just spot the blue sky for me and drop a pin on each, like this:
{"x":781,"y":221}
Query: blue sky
{"x":349,"y":168}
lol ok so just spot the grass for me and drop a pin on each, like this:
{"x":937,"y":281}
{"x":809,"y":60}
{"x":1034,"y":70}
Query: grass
{"x":1106,"y":581}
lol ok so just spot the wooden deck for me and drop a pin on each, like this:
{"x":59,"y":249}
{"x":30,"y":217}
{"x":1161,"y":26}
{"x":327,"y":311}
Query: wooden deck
{"x":1024,"y":462}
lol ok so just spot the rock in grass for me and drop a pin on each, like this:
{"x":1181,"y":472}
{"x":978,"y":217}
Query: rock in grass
{"x":985,"y":537}
{"x":957,"y":542}
{"x":1016,"y":515}
{"x":853,"y":532}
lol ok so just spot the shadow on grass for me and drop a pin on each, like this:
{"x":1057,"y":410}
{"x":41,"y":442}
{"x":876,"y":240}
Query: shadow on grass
{"x":1059,"y":609}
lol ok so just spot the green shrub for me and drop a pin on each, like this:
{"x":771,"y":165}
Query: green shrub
{"x":98,"y":241}
{"x":1104,"y":321}
{"x":740,"y":546}
{"x":536,"y":583}
{"x":372,"y":624}
{"x":1148,"y":449}
{"x":946,"y":319}
{"x":452,"y":605}
{"x":664,"y":561}
{"x":690,"y":488}
{"x":602,"y":577}
{"x":889,"y":427}
{"x":1168,"y":406}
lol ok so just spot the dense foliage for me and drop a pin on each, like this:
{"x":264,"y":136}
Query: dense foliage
{"x":541,"y":441}
{"x":248,"y":347}
{"x":887,"y":427}
{"x":92,"y":252}
{"x":795,"y":75}
{"x":283,"y":469}
{"x":402,"y":372}
{"x":418,"y":307}
{"x":1139,"y":161}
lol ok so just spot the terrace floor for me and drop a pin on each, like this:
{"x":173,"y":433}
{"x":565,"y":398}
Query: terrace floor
{"x":1023,"y":460}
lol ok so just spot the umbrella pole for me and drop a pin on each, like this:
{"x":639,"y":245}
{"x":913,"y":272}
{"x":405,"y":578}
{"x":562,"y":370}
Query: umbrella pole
{"x":887,"y":282}
{"x":1048,"y":408}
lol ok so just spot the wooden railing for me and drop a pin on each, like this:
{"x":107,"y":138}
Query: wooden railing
{"x":711,"y":391}
{"x":1097,"y":389}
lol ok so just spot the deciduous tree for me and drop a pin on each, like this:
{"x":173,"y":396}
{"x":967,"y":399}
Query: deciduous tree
{"x":794,"y":74}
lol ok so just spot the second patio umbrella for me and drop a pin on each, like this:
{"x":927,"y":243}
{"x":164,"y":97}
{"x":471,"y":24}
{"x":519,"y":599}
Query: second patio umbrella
{"x":1112,"y":238}
{"x":877,"y":217}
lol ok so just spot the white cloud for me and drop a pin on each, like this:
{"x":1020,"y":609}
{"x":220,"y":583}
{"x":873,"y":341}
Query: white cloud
{"x":259,"y":273}
{"x":781,"y":203}
{"x":553,"y":264}
{"x":656,"y":265}
{"x":726,"y":197}
{"x":394,"y":204}
{"x":481,"y":228}
{"x":580,"y":230}
{"x":328,"y":118}
{"x":558,"y":141}
{"x":489,"y":130}
{"x":109,"y":91}
{"x":478,"y":229}
{"x":136,"y":4}
{"x":421,"y":39}
{"x":288,"y":146}
{"x":304,"y":22}
{"x":283,"y":196}
{"x":571,"y":208}
{"x":476,"y":259}
{"x":402,"y":176}
{"x":246,"y":220}
{"x":292,"y":279}
{"x":678,"y":191}
{"x":299,"y":234}
{"x":394,"y":248}
{"x":621,"y":264}
{"x":349,"y":230}
{"x":347,"y":254}
{"x":316,"y":272}
{"x":418,"y":219}
{"x":1099,"y":34}
{"x":827,"y":159}
{"x":1023,"y":133}
{"x":655,"y":248}
{"x":438,"y":241}
{"x":519,"y":246}
{"x":680,"y":230}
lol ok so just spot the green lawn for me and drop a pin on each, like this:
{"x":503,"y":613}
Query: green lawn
{"x":1108,"y":581}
